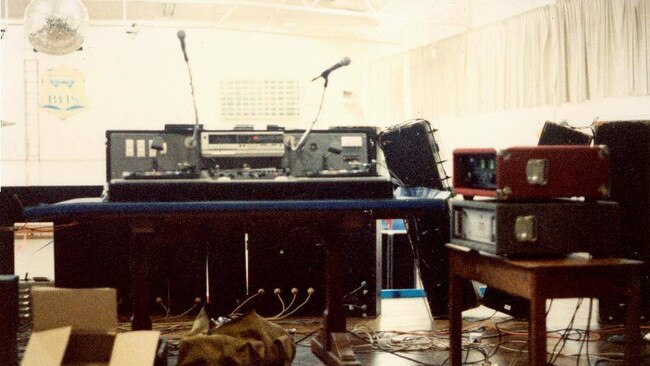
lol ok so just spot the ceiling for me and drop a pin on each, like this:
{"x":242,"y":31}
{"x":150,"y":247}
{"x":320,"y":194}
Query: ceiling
{"x":402,"y":22}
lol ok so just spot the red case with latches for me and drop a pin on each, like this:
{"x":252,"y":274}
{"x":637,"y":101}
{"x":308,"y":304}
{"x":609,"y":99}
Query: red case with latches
{"x":533,"y":172}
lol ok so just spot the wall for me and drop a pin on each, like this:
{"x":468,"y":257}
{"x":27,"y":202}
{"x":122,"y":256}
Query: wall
{"x":142,"y":82}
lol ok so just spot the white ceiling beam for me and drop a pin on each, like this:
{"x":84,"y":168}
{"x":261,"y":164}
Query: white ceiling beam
{"x":386,"y":6}
{"x":369,"y":5}
{"x":310,"y":8}
{"x":227,"y":14}
{"x":211,"y":25}
{"x":301,"y":8}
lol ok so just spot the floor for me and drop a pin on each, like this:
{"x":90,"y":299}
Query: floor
{"x":406,"y":335}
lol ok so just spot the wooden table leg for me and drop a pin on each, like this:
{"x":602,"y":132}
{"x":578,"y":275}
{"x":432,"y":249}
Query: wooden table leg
{"x":455,"y":318}
{"x":537,"y":331}
{"x":333,"y":344}
{"x":140,"y":238}
{"x":632,"y":322}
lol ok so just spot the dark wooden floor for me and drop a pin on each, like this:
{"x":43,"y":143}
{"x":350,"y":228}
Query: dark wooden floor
{"x":408,"y":320}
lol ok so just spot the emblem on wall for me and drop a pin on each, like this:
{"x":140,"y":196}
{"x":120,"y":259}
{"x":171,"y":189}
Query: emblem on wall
{"x":63,"y":92}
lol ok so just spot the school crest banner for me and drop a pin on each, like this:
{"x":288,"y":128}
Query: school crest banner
{"x":63,"y":92}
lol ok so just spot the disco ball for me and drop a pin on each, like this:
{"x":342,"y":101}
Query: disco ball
{"x":56,"y":27}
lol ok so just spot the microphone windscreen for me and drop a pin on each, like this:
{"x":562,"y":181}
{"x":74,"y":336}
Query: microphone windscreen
{"x":345,"y":61}
{"x":181,"y":34}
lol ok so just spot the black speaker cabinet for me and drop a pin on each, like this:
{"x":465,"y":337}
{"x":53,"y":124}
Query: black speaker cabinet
{"x":412,"y":155}
{"x":177,"y":266}
{"x":398,"y":262}
{"x":10,"y":212}
{"x":285,"y":256}
{"x":8,"y":320}
{"x":226,"y":248}
{"x":557,"y":134}
{"x":516,"y":306}
{"x":428,"y":233}
{"x":629,"y":147}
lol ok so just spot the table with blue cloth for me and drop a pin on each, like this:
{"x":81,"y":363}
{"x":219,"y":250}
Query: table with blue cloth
{"x":331,"y":218}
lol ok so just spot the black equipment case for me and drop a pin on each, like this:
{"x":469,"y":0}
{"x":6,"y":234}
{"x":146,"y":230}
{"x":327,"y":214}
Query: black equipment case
{"x":548,"y":228}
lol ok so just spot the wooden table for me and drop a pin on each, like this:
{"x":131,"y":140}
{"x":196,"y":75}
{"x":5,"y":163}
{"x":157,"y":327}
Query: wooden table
{"x":331,"y":218}
{"x":540,"y":279}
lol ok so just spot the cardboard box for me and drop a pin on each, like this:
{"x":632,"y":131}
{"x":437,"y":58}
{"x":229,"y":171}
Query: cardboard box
{"x":78,"y":327}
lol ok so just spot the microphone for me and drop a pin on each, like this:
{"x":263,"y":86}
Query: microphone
{"x":181,"y":36}
{"x":345,"y":61}
{"x":193,"y":141}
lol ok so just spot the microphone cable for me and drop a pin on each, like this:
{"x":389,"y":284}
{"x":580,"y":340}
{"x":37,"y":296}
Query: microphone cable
{"x":325,"y":75}
{"x":305,"y":135}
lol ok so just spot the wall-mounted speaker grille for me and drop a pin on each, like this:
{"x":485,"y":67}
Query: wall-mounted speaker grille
{"x":255,"y":99}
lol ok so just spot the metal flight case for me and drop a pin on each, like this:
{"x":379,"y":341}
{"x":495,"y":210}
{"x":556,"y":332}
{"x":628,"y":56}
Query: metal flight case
{"x":537,"y":229}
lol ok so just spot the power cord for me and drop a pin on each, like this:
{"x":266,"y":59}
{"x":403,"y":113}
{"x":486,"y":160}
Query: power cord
{"x":310,"y":291}
{"x":565,"y":335}
{"x":258,"y":293}
{"x":584,"y":338}
{"x":362,"y":285}
{"x":395,"y":353}
{"x":277,"y":291}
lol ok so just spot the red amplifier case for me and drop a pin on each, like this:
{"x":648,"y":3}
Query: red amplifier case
{"x":531,"y":172}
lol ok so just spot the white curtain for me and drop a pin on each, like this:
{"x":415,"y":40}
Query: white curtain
{"x":569,"y":52}
{"x":435,"y":75}
{"x":607,"y":46}
{"x":422,"y":102}
{"x":386,"y":91}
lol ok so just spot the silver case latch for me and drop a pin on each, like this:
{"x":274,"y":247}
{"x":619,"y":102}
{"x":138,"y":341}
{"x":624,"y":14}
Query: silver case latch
{"x":537,"y":172}
{"x":526,"y":228}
